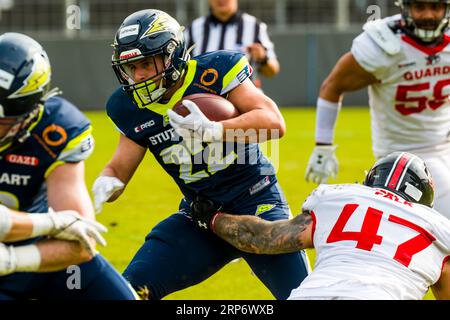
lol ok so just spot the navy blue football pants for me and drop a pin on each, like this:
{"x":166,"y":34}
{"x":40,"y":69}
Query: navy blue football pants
{"x":98,"y":281}
{"x":176,"y":254}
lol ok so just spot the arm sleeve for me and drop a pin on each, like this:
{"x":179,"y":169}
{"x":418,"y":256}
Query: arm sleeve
{"x":326,"y":116}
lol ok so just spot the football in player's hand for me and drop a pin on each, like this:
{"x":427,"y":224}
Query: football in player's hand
{"x":214,"y":107}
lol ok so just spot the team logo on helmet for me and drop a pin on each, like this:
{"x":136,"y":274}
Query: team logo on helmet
{"x":404,"y":174}
{"x":130,"y":54}
{"x":38,"y":78}
{"x":160,"y":24}
{"x":129,"y":31}
{"x":6,"y":79}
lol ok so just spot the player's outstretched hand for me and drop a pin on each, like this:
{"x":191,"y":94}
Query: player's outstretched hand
{"x":204,"y":211}
{"x":104,"y":187}
{"x":322,"y":164}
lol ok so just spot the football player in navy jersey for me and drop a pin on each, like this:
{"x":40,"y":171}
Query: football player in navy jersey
{"x":40,"y":257}
{"x":154,"y":68}
{"x":44,"y":141}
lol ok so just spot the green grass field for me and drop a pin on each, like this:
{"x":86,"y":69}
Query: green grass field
{"x":151,"y":195}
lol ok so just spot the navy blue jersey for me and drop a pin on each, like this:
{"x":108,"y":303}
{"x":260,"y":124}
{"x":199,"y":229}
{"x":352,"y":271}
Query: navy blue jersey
{"x":223,"y":172}
{"x":60,"y":134}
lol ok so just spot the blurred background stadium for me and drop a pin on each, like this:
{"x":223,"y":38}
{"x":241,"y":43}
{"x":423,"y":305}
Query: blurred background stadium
{"x":309,"y":37}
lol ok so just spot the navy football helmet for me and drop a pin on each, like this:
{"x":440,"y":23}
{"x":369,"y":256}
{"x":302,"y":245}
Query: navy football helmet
{"x":147,"y":34}
{"x":415,"y":28}
{"x":24,"y":85}
{"x":404,"y":174}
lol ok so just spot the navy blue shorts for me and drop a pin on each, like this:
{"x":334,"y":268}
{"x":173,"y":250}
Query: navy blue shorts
{"x":97,"y":281}
{"x":176,"y":254}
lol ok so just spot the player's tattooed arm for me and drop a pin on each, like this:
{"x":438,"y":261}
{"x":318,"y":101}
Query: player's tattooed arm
{"x":255,"y":235}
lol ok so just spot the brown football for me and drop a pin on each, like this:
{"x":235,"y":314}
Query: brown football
{"x":215,"y":108}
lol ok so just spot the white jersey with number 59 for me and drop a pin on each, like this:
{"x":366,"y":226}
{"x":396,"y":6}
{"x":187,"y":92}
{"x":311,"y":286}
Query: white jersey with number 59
{"x":372,"y":244}
{"x":410,"y":109}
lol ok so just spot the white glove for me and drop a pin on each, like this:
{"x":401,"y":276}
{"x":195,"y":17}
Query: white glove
{"x":69,"y":225}
{"x":322,"y":164}
{"x":195,"y":125}
{"x":104,"y":187}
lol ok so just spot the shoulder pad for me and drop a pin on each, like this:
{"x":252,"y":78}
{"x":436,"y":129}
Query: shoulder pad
{"x":380,"y":32}
{"x":314,"y":198}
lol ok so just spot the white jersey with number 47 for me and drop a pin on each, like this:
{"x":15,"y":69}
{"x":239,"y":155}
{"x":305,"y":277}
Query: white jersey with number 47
{"x":410,"y":107}
{"x":372,"y":244}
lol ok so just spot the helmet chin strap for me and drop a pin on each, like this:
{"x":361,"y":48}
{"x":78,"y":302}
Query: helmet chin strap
{"x":158,"y":93}
{"x":187,"y":56}
{"x":22,"y":133}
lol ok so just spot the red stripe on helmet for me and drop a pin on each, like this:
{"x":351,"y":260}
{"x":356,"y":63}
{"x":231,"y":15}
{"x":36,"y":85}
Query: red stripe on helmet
{"x":401,"y":164}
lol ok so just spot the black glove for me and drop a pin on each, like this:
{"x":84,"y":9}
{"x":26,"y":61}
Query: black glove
{"x":203,"y":211}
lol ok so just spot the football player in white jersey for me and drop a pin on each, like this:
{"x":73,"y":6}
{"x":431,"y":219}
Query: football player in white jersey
{"x":379,"y":240}
{"x":405,"y":62}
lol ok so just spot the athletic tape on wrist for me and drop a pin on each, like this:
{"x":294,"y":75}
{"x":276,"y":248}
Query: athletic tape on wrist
{"x":42,"y":224}
{"x":5,"y":222}
{"x":28,"y":258}
{"x":326,"y":116}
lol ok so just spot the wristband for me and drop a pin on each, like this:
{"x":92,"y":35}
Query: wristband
{"x":26,"y":258}
{"x":42,"y":224}
{"x":326,"y":116}
{"x":5,"y":222}
{"x":213,"y":221}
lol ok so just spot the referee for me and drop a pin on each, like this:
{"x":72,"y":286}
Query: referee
{"x":227,"y":28}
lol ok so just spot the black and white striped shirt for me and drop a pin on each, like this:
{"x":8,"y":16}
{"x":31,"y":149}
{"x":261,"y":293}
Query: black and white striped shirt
{"x":240,"y":31}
